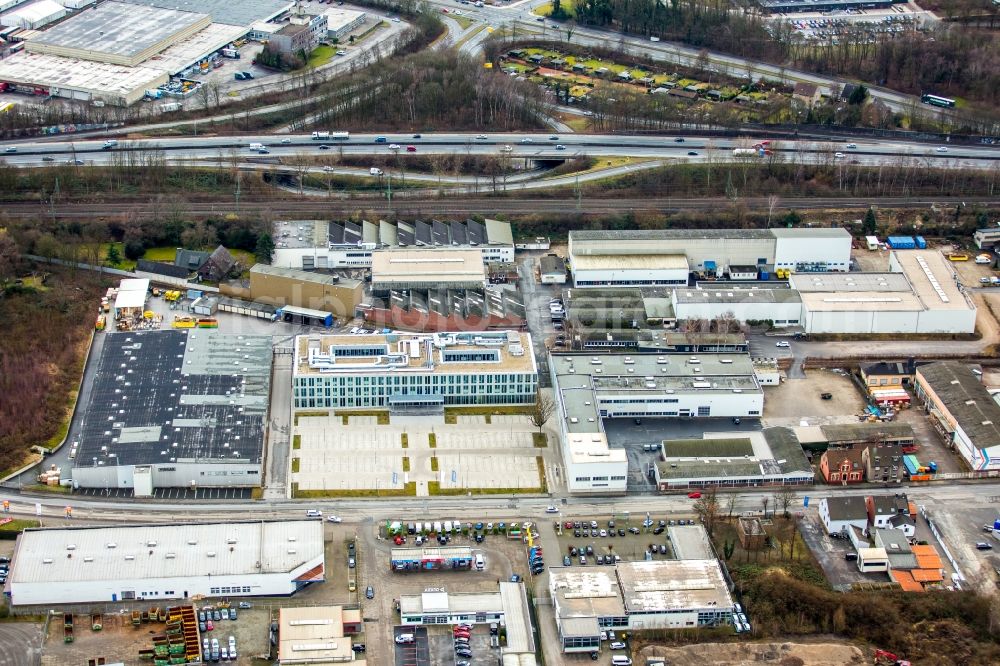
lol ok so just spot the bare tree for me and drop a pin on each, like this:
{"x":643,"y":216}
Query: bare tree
{"x":772,"y":201}
{"x":731,"y":500}
{"x":784,"y":498}
{"x":541,"y":410}
{"x":764,"y":502}
{"x":707,"y":508}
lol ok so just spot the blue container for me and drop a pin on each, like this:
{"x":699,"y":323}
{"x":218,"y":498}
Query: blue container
{"x":901,"y":242}
{"x":764,"y":275}
{"x":921,"y":243}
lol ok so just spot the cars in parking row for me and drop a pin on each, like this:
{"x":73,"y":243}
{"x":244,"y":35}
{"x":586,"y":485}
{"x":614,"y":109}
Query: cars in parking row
{"x":211,"y":650}
{"x":208,"y":617}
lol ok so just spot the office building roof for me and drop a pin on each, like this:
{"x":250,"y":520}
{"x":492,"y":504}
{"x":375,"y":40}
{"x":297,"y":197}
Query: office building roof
{"x":313,"y":634}
{"x":430,"y":268}
{"x":421,"y":353}
{"x":690,"y":542}
{"x":849,"y":282}
{"x":933,"y":279}
{"x":774,"y":452}
{"x":117,"y":29}
{"x":449,"y":602}
{"x":552,"y":265}
{"x":631,"y":262}
{"x":169,"y":396}
{"x":898,"y":369}
{"x":847,"y":507}
{"x":585,"y":593}
{"x":242,"y":13}
{"x":711,"y":295}
{"x":672,"y":585}
{"x":836,"y":433}
{"x":968,"y":401}
{"x":817,"y":233}
{"x":728,"y":447}
{"x":306,"y":276}
{"x":664,"y":234}
{"x":178,"y":551}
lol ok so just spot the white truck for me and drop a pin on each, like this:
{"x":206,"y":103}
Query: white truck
{"x":320,"y":136}
{"x":257,"y":147}
{"x":170,"y":106}
{"x":375,"y":171}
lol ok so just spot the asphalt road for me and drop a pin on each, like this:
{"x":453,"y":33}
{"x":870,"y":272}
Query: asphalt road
{"x":514,"y":145}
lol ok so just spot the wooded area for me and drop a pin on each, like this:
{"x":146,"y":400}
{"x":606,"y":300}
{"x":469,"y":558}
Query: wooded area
{"x":38,"y":373}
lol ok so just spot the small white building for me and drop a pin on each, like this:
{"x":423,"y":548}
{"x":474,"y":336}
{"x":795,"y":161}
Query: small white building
{"x":783,"y":307}
{"x":34,"y":15}
{"x":839,"y":514}
{"x":552,"y":269}
{"x":139,"y":562}
{"x":341,"y":22}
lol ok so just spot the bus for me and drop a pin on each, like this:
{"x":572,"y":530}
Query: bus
{"x":934,"y":100}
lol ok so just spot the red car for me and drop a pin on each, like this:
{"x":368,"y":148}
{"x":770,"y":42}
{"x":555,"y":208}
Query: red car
{"x":694,"y":495}
{"x":568,"y":525}
{"x":399,"y":540}
{"x":411,"y":149}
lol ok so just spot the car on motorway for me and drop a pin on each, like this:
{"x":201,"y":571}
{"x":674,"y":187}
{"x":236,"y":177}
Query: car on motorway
{"x":553,"y":138}
{"x":324,"y":147}
{"x":679,"y":139}
{"x":10,"y":149}
{"x":333,"y":519}
{"x":393,"y":146}
{"x":782,"y":343}
{"x":694,"y":495}
{"x":838,"y":156}
{"x":314,"y":513}
{"x":411,"y":149}
{"x":508,"y":148}
{"x":560,"y":147}
{"x":481,"y":137}
{"x":286,"y":140}
{"x":48,"y":159}
{"x":852,"y":146}
{"x":417,"y":136}
{"x":527,"y":139}
{"x":692,"y":153}
{"x":551,"y":509}
{"x":941,"y":149}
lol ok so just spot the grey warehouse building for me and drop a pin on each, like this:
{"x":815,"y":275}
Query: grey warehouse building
{"x":176,"y":409}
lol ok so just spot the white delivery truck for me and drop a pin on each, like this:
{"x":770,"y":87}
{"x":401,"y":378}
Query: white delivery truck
{"x":375,"y":171}
{"x":321,"y":136}
{"x":257,"y":146}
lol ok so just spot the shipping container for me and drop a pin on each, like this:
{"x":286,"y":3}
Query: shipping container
{"x":921,"y":243}
{"x":901,"y":242}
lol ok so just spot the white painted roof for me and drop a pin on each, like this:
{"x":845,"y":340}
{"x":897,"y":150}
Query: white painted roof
{"x":165,"y":551}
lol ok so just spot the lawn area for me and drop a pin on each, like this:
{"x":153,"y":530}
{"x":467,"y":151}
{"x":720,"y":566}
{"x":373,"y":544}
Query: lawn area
{"x":320,"y":56}
{"x":164,"y":254}
{"x":546,"y":9}
{"x":408,"y":490}
{"x":10,"y":530}
{"x":463,"y":21}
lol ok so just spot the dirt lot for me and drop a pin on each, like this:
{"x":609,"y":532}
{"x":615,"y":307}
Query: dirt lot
{"x":20,"y":643}
{"x":932,"y":447}
{"x":795,"y":398}
{"x":726,"y":654}
{"x":871,"y":261}
{"x":119,"y":641}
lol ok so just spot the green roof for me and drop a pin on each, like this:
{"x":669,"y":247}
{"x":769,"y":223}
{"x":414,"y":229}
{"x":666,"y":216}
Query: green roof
{"x":735,"y":447}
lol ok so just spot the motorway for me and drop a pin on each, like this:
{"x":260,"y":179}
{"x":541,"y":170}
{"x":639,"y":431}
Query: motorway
{"x":527,"y":145}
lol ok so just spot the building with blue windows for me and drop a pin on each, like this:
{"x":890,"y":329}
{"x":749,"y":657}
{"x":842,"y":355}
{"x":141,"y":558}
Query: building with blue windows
{"x":414,"y":372}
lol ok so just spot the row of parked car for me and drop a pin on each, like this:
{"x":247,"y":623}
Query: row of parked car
{"x":212,"y":651}
{"x":207,"y":617}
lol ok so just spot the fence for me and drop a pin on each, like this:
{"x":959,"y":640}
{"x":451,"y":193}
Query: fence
{"x":937,"y":535}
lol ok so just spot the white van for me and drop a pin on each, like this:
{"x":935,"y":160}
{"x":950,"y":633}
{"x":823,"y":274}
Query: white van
{"x":314,"y":513}
{"x":404,"y":638}
{"x":480,"y":562}
{"x":620,"y":660}
{"x":447,"y":527}
{"x":437,"y":527}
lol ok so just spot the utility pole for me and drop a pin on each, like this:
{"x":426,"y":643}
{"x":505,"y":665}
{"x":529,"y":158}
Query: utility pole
{"x":239,"y":181}
{"x":389,"y":189}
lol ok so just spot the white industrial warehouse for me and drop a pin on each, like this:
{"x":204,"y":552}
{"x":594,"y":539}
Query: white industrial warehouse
{"x":76,"y":565}
{"x":667,"y":256}
{"x":309,"y":244}
{"x":117,"y":51}
{"x":591,"y":388}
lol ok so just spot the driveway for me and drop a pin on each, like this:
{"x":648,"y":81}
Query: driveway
{"x":20,"y":644}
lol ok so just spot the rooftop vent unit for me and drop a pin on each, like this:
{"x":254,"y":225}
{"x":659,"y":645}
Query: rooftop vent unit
{"x":112,"y":545}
